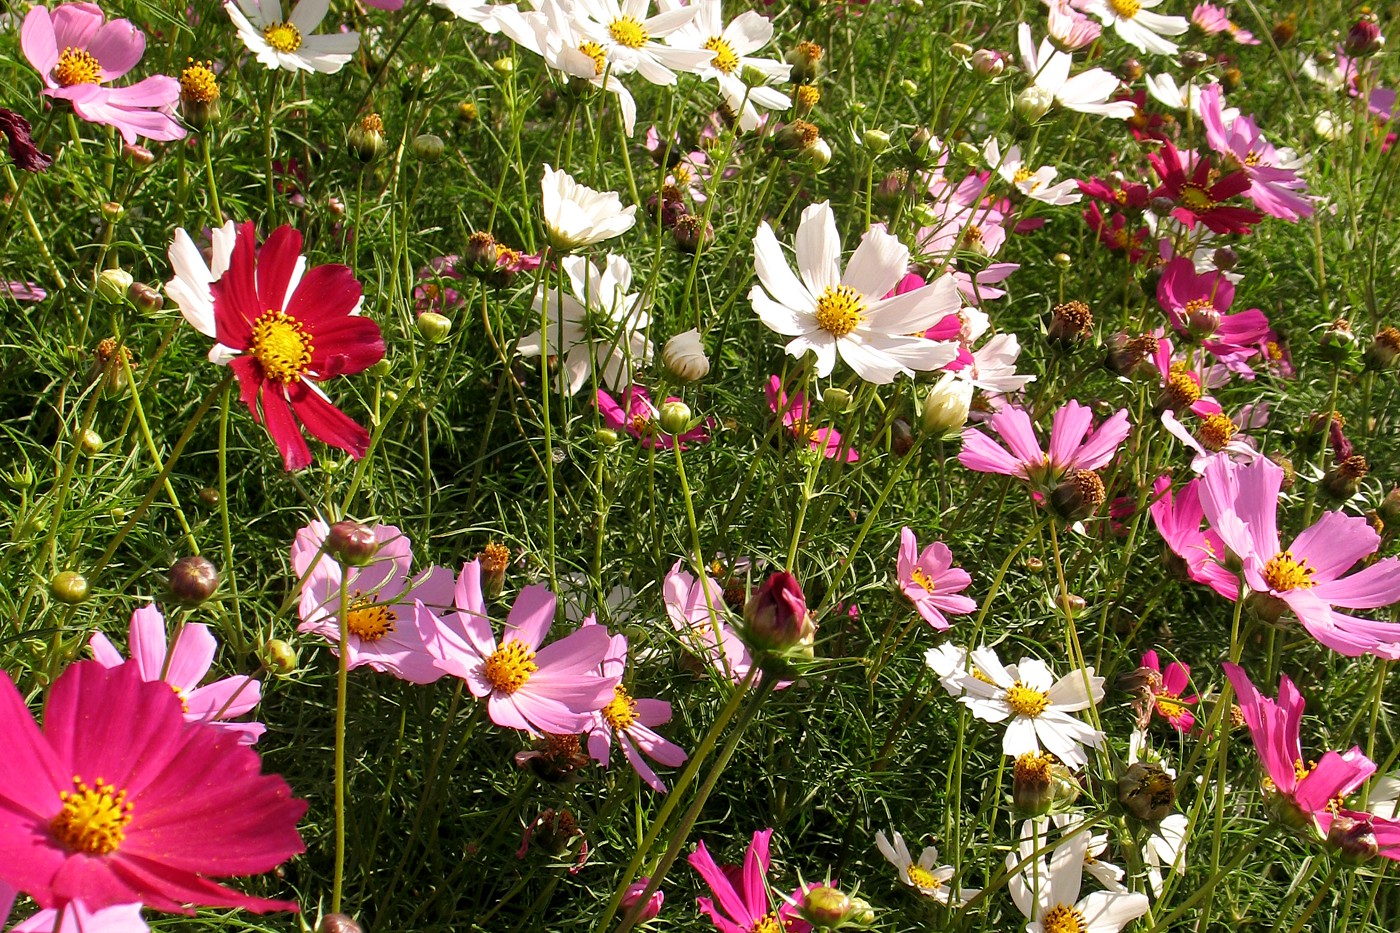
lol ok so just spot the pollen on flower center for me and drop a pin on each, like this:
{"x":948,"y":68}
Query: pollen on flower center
{"x":93,"y":819}
{"x":184,"y":706}
{"x":1127,"y":9}
{"x":595,"y":51}
{"x":768,"y":923}
{"x":839,"y":310}
{"x":198,"y":85}
{"x":281,"y":346}
{"x":1170,"y":705}
{"x":1063,"y":919}
{"x":1026,"y":701}
{"x":284,"y":37}
{"x":1282,"y":573}
{"x":77,"y":66}
{"x":921,"y":577}
{"x":628,"y":32}
{"x":1216,"y":431}
{"x":1196,"y":198}
{"x":1183,"y":390}
{"x":370,"y":621}
{"x":1023,"y":174}
{"x":725,"y":59}
{"x":922,"y":878}
{"x":621,"y":711}
{"x":510,"y":666}
{"x":1197,"y":305}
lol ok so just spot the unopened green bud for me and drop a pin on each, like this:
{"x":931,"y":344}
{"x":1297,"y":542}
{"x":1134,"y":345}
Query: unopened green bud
{"x":279,"y":657}
{"x":875,"y":141}
{"x":1033,"y":103}
{"x":69,"y":586}
{"x":112,"y":285}
{"x":428,"y":147}
{"x":434,"y":327}
{"x":674,"y":417}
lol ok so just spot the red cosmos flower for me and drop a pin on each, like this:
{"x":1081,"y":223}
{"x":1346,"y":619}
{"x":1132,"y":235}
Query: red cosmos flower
{"x":1201,"y":195}
{"x":1115,"y":233}
{"x":120,"y":800}
{"x":288,"y":328}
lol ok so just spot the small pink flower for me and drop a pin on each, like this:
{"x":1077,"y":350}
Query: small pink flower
{"x":121,"y":918}
{"x":182,"y":666}
{"x":630,"y":721}
{"x":77,"y":54}
{"x":639,"y":420}
{"x":634,"y":894}
{"x":697,"y":611}
{"x":435,"y":291}
{"x":796,"y":416}
{"x":1200,"y":303}
{"x":552,"y":689}
{"x":22,"y":291}
{"x":1178,"y":520}
{"x":1074,"y":444}
{"x":931,"y":581}
{"x":741,"y":902}
{"x":1168,"y":688}
{"x":1275,"y":189}
{"x":1212,"y":20}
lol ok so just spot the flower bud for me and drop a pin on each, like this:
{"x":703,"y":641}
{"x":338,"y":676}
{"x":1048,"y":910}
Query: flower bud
{"x":836,"y":400}
{"x":338,"y":923}
{"x":434,"y":327}
{"x":279,"y":657}
{"x":1337,"y":341}
{"x":1389,"y":509}
{"x":945,"y":406}
{"x":468,"y":112}
{"x":1035,"y":565}
{"x":366,"y":138}
{"x":825,"y":907}
{"x":1078,"y":495}
{"x":862,"y":914}
{"x":908,"y":86}
{"x":961,"y":51}
{"x":633,"y":895}
{"x":1290,"y":476}
{"x":805,"y":59}
{"x":1202,"y":319}
{"x":1132,"y":70}
{"x":351,"y":543}
{"x":381,"y":368}
{"x":209,"y":497}
{"x":1363,"y":38}
{"x":69,"y":587}
{"x":503,"y":66}
{"x":1070,"y":323}
{"x":112,"y":211}
{"x":1224,"y":258}
{"x":605,"y":437}
{"x":987,"y":63}
{"x":794,"y":137}
{"x":144,"y":297}
{"x":554,"y":759}
{"x":112,"y":285}
{"x":1384,"y":349}
{"x":1285,"y":30}
{"x":1354,"y":840}
{"x":193,"y":580}
{"x":816,"y":156}
{"x":139,"y":156}
{"x":684,"y":357}
{"x":1146,"y":791}
{"x":1033,"y":103}
{"x":428,"y":147}
{"x":90,"y":442}
{"x":1192,"y":60}
{"x":1032,"y":784}
{"x":495,"y":558}
{"x":776,"y":617}
{"x":1342,"y":481}
{"x":901,"y":437}
{"x":674,"y":417}
{"x":875,"y":141}
{"x":692,"y":233}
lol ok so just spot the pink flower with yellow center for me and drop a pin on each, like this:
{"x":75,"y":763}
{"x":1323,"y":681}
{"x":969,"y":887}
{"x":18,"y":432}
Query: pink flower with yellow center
{"x":931,"y":582}
{"x":741,"y":903}
{"x":1168,"y":691}
{"x":1074,"y":444}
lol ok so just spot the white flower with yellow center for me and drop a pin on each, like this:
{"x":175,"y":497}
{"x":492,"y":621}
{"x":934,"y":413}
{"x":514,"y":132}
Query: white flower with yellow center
{"x":1037,"y":184}
{"x":1035,"y":707}
{"x":290,"y":42}
{"x":1048,"y":893}
{"x":734,"y":46}
{"x":1137,"y":25}
{"x":628,"y":38}
{"x":830,"y":313}
{"x":1087,"y":92}
{"x":925,"y":876}
{"x":576,"y":215}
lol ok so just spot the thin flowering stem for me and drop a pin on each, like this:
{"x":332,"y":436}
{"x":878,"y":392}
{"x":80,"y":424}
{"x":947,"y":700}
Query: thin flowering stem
{"x":124,"y":361}
{"x":342,"y":689}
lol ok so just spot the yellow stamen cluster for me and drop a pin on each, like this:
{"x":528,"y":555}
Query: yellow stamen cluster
{"x":510,"y":666}
{"x":840,"y":310}
{"x":1196,"y":198}
{"x":281,"y":346}
{"x":725,"y":60}
{"x":621,"y":711}
{"x":1126,"y":9}
{"x":628,"y":32}
{"x":1182,"y":390}
{"x":494,"y":557}
{"x":198,"y":85}
{"x":373,"y":123}
{"x":921,"y":877}
{"x":1034,"y":768}
{"x":921,"y":577}
{"x":808,"y":96}
{"x":1063,"y":919}
{"x":93,"y":820}
{"x":1026,"y":701}
{"x":1023,"y":174}
{"x":368,"y":620}
{"x":77,"y":66}
{"x":595,"y":51}
{"x":1283,"y":573}
{"x":1216,"y":431}
{"x":283,"y":37}
{"x":768,"y":923}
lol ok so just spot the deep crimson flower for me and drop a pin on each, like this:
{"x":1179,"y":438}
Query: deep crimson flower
{"x":26,"y":155}
{"x":1113,"y":232}
{"x":1129,"y":194}
{"x":1199,"y":196}
{"x":120,"y":800}
{"x":291,"y":330}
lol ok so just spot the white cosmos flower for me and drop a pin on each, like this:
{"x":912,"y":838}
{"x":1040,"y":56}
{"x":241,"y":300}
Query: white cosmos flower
{"x":480,"y":12}
{"x":1035,"y":707}
{"x":290,"y":43}
{"x":1104,"y":872}
{"x":1164,"y":89}
{"x":1048,"y":893}
{"x":1038,"y":185}
{"x":1087,"y":92}
{"x":733,"y":46}
{"x":829,"y":313}
{"x":1137,"y":25}
{"x":627,"y":37}
{"x":1165,"y":849}
{"x":993,"y":367}
{"x":923,"y":876}
{"x":598,"y":331}
{"x":576,"y":215}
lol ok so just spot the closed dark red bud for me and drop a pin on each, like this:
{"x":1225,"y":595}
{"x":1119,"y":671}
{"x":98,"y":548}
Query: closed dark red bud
{"x":901,"y":437}
{"x":193,"y":580}
{"x":1354,"y":840}
{"x":1364,"y":38}
{"x":776,"y":616}
{"x":338,"y":923}
{"x":351,"y":543}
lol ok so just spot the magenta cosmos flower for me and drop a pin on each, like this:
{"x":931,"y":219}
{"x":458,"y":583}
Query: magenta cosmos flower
{"x":1168,"y":687}
{"x":796,"y":415}
{"x":1200,"y":192}
{"x":639,"y":420}
{"x":77,"y":54}
{"x":699,"y":615}
{"x":931,"y":581}
{"x":1241,"y":503}
{"x":75,"y":917}
{"x":1074,"y":444}
{"x":1178,"y":519}
{"x":290,"y":328}
{"x":183,"y":665}
{"x":741,"y":902}
{"x":552,"y":689}
{"x":1275,"y":189}
{"x":387,"y":604}
{"x":1199,"y":304}
{"x":630,"y":720}
{"x":120,"y":800}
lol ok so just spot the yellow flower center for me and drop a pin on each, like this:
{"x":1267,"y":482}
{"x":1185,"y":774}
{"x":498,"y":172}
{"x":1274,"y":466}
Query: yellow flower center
{"x":93,"y":819}
{"x":628,"y":32}
{"x":595,"y":51}
{"x":1026,"y":701}
{"x":725,"y":59}
{"x":1170,"y":705}
{"x":1283,"y":573}
{"x":1033,"y":767}
{"x":621,"y":711}
{"x":368,"y":620}
{"x":510,"y":666}
{"x":198,"y":84}
{"x":1216,"y":431}
{"x":284,"y":37}
{"x":768,"y":923}
{"x":185,"y":707}
{"x":1196,"y":198}
{"x":922,"y":878}
{"x":1062,"y":919}
{"x":1196,"y":305}
{"x":1023,"y":174}
{"x":921,"y":577}
{"x":839,"y":310}
{"x":1182,"y":389}
{"x":76,"y":66}
{"x":1126,"y":9}
{"x":281,"y":346}
{"x":495,"y":557}
{"x":808,"y":96}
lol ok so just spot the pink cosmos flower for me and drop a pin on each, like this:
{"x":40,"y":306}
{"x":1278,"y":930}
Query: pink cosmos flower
{"x":120,"y":800}
{"x":435,"y":291}
{"x":182,"y":666}
{"x":1241,"y":502}
{"x":1074,"y":444}
{"x":688,"y":170}
{"x":796,"y":413}
{"x":634,"y":894}
{"x":1199,"y":304}
{"x":387,"y":605}
{"x":22,"y":291}
{"x":741,"y":903}
{"x":630,"y":720}
{"x":1199,"y":194}
{"x":931,"y":581}
{"x":552,"y":689}
{"x":639,"y":420}
{"x":1275,"y":189}
{"x":1070,"y":29}
{"x":697,"y":611}
{"x":1167,"y":689}
{"x":1178,"y":520}
{"x":78,"y":54}
{"x":1114,"y":232}
{"x":1181,"y":386}
{"x":76,"y":918}
{"x":1212,"y":20}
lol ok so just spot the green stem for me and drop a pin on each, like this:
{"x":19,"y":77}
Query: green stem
{"x":342,"y":685}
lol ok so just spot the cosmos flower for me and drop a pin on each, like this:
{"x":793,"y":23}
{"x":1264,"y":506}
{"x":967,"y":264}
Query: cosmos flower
{"x":1165,"y":849}
{"x":291,"y":42}
{"x":120,"y":800}
{"x":1274,"y":186}
{"x":1198,"y":305}
{"x":78,"y":54}
{"x":194,"y":274}
{"x":923,"y":876}
{"x":626,"y":37}
{"x":182,"y":666}
{"x":1074,"y":444}
{"x":931,"y":582}
{"x":796,"y":414}
{"x":733,"y":46}
{"x":576,"y":215}
{"x":1200,"y":192}
{"x":1048,"y":893}
{"x":23,"y":152}
{"x":1070,"y":29}
{"x":1178,"y":519}
{"x":1086,"y":92}
{"x":741,"y":903}
{"x":76,"y":918}
{"x":639,"y":419}
{"x":699,"y":615}
{"x":1168,"y":688}
{"x":1037,"y":184}
{"x":1137,"y":25}
{"x":630,"y":720}
{"x":831,"y":314}
{"x":1213,"y":20}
